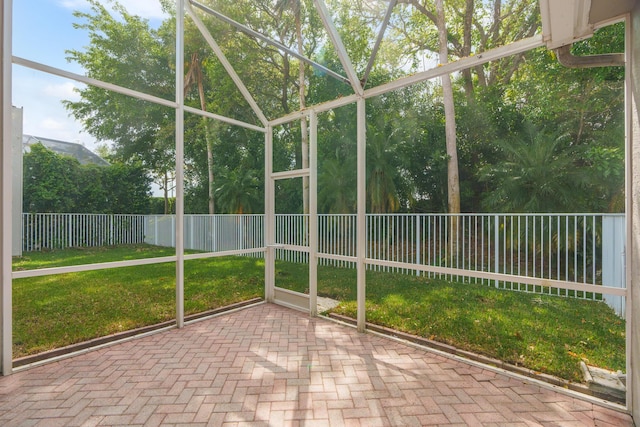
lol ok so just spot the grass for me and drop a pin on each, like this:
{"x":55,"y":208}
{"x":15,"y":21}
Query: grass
{"x":54,"y":311}
{"x":544,"y":333}
{"x":79,"y":256}
{"x":548,"y":334}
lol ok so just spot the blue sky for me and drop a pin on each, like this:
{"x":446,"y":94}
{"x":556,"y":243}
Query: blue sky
{"x":42,"y":32}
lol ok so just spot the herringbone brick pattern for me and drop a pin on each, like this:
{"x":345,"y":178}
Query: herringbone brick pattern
{"x":271,"y":366}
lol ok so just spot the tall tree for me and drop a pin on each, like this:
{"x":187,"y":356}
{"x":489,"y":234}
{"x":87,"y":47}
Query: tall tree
{"x":453,"y":178}
{"x":336,"y":192}
{"x":123,"y":49}
{"x":238,"y":191}
{"x":381,"y":188}
{"x":295,"y":6}
{"x":474,"y":27}
{"x":195,"y":77}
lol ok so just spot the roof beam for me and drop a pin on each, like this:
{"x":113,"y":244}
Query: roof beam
{"x":318,"y":108}
{"x":129,"y":92}
{"x":269,"y":41}
{"x":224,"y":119}
{"x":514,"y":48}
{"x":339,"y":46}
{"x":227,"y":65}
{"x":376,"y":47}
{"x":520,"y":46}
{"x":92,"y":82}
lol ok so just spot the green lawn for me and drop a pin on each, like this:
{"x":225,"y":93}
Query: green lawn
{"x":544,"y":333}
{"x":55,"y":311}
{"x":547,"y":334}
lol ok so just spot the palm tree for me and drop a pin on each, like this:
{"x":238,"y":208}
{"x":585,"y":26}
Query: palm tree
{"x":337,"y":192}
{"x":381,"y":188}
{"x":238,"y":191}
{"x":538,"y":174}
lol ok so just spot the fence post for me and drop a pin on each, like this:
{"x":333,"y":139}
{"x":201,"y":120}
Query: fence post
{"x":496,"y":245}
{"x":70,"y":232}
{"x":418,"y":243}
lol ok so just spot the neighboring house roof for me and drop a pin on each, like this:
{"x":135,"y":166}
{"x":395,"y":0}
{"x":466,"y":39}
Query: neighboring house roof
{"x":77,"y":151}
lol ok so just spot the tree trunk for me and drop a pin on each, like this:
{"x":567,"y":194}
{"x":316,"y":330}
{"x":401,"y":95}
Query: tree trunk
{"x":212,"y":207}
{"x":453,"y":179}
{"x":303,"y":123}
{"x":194,"y":75}
{"x":466,"y":48}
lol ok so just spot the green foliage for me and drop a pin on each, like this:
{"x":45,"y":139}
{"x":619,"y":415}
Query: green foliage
{"x":56,"y":183}
{"x":537,"y":174}
{"x":157,"y":205}
{"x":49,"y":183}
{"x":125,"y":51}
{"x":381,"y":189}
{"x":128,"y":189}
{"x":238,"y":191}
{"x":336,"y":192}
{"x":607,"y":166}
{"x":492,"y":103}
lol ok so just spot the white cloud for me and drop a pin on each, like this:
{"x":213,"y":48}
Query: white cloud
{"x":146,"y":8}
{"x":73,"y":4}
{"x":40,"y":97}
{"x":150,"y":9}
{"x":60,"y":128}
{"x":62,"y":91}
{"x":50,"y":124}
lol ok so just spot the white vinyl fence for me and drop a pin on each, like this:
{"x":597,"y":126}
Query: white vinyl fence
{"x":583,"y":248}
{"x":48,"y":231}
{"x":210,"y":233}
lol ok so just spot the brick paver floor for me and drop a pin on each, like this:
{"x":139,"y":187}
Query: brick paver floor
{"x":272,"y":366}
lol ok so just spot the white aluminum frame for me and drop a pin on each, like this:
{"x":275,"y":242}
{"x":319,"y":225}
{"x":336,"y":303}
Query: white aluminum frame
{"x":269,"y":41}
{"x":630,"y":123}
{"x":361,"y":211}
{"x":339,"y":46}
{"x":225,"y":63}
{"x":180,"y":6}
{"x":359,"y":96}
{"x":313,"y":213}
{"x":269,"y":219}
{"x":6,"y":321}
{"x":376,"y":46}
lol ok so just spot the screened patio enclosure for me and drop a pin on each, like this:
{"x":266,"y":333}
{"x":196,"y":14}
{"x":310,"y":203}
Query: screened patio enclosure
{"x":562,"y":24}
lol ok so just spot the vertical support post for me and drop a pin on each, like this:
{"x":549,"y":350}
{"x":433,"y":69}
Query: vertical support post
{"x":313,"y":213}
{"x":16,"y":141}
{"x":269,"y":219}
{"x":179,"y":231}
{"x":361,"y":217}
{"x":6,"y":190}
{"x":632,"y":208}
